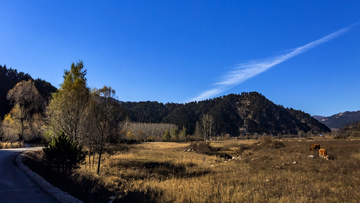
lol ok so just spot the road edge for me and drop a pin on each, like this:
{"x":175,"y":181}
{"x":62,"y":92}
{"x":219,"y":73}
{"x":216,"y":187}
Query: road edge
{"x":60,"y":195}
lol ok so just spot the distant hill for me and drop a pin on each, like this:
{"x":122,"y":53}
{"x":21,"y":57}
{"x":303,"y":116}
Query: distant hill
{"x":319,"y":118}
{"x":351,"y":130}
{"x":340,"y":120}
{"x":234,"y":114}
{"x":9,"y":78}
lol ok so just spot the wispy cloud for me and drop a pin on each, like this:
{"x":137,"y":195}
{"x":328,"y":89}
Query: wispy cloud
{"x":248,"y":70}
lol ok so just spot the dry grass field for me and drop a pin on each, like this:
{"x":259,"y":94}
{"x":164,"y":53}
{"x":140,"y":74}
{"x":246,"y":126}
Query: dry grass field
{"x":8,"y":145}
{"x":263,"y":171}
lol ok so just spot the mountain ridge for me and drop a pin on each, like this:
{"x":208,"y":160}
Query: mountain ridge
{"x":340,"y":120}
{"x":234,"y":114}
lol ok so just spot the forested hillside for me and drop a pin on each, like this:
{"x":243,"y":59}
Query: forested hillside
{"x":10,"y":77}
{"x":233,"y":114}
{"x":351,"y":130}
{"x":340,"y":120}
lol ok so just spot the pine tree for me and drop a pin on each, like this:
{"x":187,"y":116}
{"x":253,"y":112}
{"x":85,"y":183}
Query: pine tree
{"x":64,"y":154}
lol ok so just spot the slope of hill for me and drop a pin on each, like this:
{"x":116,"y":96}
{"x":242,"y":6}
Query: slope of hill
{"x":9,"y":78}
{"x":233,"y":114}
{"x":340,"y":120}
{"x":351,"y":130}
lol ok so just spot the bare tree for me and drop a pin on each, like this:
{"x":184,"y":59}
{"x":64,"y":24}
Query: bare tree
{"x":27,"y":100}
{"x":198,"y":130}
{"x":104,"y":118}
{"x":207,"y":122}
{"x":148,"y":130}
{"x":37,"y":127}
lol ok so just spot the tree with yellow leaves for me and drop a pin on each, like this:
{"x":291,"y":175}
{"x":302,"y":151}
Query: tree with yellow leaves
{"x":67,"y":109}
{"x":27,"y":102}
{"x":10,"y":128}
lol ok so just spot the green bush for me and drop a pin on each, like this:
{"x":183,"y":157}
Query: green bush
{"x":63,"y":154}
{"x":167,"y":136}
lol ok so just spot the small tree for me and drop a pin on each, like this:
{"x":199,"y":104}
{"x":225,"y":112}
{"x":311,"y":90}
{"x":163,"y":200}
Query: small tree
{"x":175,"y":134}
{"x":10,"y":126}
{"x":140,"y":136}
{"x":67,"y":108}
{"x":130,"y":135}
{"x":207,"y":122}
{"x":197,"y":132}
{"x":104,"y":115}
{"x":64,"y":154}
{"x":166,"y":136}
{"x":182,"y":134}
{"x":28,"y":101}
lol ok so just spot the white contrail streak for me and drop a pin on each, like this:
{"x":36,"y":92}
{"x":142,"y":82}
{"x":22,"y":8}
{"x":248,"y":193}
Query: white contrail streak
{"x":248,"y":70}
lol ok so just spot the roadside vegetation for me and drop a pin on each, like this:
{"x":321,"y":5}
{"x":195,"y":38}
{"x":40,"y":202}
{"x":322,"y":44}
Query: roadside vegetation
{"x":8,"y":145}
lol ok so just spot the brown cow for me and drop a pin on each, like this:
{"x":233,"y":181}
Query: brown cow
{"x":323,"y":154}
{"x":314,"y":146}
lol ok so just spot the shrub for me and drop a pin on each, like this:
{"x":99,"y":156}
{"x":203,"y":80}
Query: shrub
{"x":277,"y":144}
{"x":63,"y":154}
{"x":268,"y":142}
{"x":151,"y":139}
{"x":265,"y":140}
{"x":243,"y":147}
{"x":339,"y":137}
{"x":203,"y":148}
{"x":166,"y":136}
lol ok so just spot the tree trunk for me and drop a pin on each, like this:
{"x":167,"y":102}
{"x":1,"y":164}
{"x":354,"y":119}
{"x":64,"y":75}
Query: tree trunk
{"x":89,"y":160}
{"x":21,"y":137}
{"x":98,"y":169}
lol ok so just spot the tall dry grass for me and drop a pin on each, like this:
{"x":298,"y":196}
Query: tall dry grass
{"x":263,"y":171}
{"x":8,"y":145}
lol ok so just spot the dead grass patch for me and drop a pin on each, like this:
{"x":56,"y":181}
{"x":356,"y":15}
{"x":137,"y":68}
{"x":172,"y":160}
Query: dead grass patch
{"x":8,"y":145}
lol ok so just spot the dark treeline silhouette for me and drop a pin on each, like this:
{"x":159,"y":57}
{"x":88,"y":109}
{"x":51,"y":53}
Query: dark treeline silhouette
{"x":351,"y":130}
{"x":10,"y":77}
{"x":233,"y":114}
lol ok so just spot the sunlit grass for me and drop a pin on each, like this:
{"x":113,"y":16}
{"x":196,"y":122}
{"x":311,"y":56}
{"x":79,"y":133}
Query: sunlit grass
{"x":164,"y":172}
{"x":8,"y":145}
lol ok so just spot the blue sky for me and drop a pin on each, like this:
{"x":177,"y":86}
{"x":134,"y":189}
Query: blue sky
{"x":304,"y":54}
